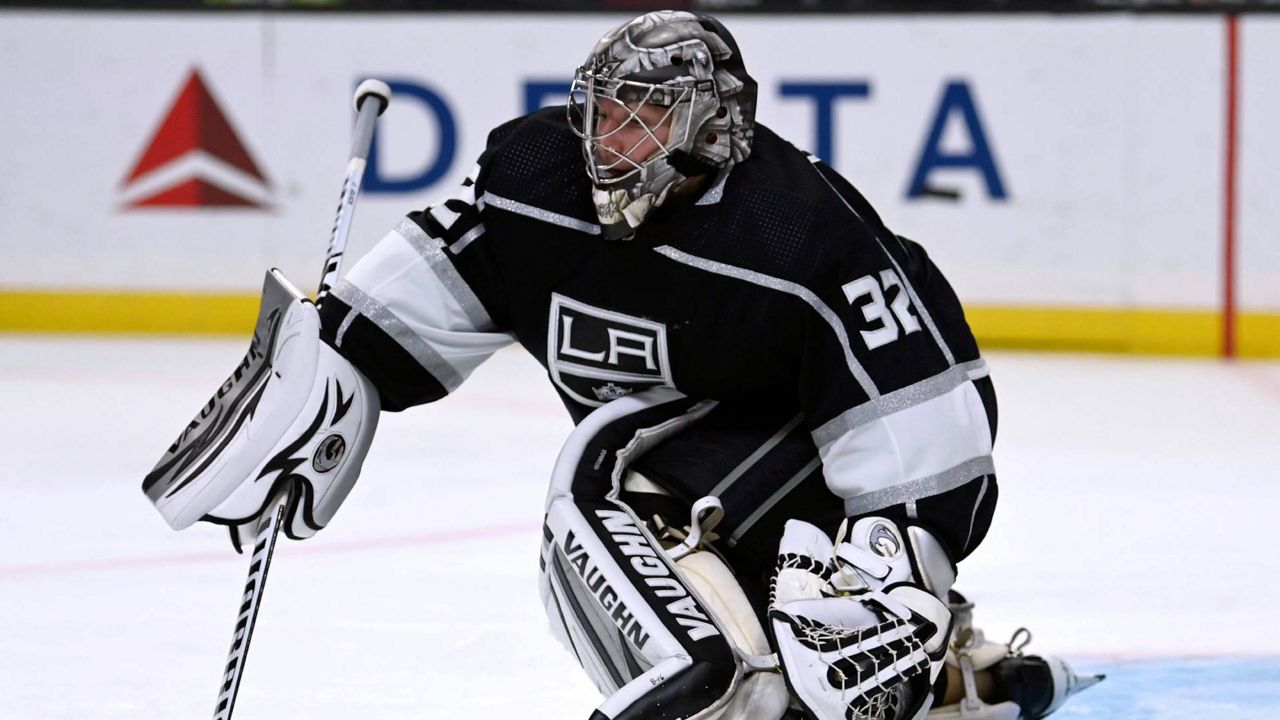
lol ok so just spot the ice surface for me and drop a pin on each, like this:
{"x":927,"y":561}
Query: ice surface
{"x":1135,"y":535}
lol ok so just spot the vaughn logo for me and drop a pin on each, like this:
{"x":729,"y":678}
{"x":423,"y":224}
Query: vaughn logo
{"x":657,"y":575}
{"x":598,"y":355}
{"x":195,"y":159}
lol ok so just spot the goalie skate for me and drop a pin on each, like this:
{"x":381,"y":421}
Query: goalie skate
{"x":1030,"y":686}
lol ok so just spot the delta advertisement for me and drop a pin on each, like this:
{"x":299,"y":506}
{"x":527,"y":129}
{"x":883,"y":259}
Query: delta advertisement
{"x":1058,"y":168}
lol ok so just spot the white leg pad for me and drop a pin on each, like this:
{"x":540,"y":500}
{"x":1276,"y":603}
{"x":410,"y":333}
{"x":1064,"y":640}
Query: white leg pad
{"x":761,"y":695}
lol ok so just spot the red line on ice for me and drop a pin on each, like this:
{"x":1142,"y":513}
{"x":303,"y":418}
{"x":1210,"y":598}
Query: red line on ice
{"x":429,"y":538}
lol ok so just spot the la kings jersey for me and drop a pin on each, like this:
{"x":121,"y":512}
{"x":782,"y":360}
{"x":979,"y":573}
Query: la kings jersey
{"x":847,"y":378}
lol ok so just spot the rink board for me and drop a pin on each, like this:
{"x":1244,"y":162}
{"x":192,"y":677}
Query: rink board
{"x":1056,"y":167}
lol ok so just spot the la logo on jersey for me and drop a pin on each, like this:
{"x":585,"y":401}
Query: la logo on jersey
{"x":195,"y":159}
{"x":597,"y":355}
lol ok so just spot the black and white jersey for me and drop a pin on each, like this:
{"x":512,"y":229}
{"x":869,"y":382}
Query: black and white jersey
{"x":845,"y":371}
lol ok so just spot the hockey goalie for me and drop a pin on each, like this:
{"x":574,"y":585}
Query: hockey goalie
{"x":784,"y":426}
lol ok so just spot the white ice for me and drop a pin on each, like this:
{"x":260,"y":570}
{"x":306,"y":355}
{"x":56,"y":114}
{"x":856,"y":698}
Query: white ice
{"x":1138,"y":502}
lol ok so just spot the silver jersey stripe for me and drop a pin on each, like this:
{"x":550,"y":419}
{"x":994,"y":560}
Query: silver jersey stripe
{"x":344,"y":327}
{"x":406,"y":338}
{"x":920,"y":308}
{"x":576,"y":445}
{"x":432,"y":251}
{"x":537,"y":213}
{"x":973,"y":517}
{"x":786,"y":286}
{"x":906,"y":283}
{"x":889,"y":403}
{"x":714,"y":195}
{"x":646,"y":438}
{"x":461,"y":243}
{"x":920,"y":488}
{"x":773,"y":500}
{"x":814,"y":160}
{"x":754,"y":457}
{"x":977,"y":369}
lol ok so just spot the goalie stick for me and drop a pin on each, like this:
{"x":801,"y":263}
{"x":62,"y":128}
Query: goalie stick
{"x":273,"y":516}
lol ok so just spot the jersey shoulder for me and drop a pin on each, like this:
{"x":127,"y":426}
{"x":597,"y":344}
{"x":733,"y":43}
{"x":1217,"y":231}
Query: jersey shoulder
{"x":536,"y":160}
{"x":787,"y":215}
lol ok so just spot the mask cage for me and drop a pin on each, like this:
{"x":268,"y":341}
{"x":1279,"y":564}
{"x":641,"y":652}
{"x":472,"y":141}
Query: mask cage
{"x":626,"y":99}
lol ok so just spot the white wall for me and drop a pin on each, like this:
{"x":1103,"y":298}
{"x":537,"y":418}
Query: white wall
{"x":1259,"y":159}
{"x":1106,"y":132}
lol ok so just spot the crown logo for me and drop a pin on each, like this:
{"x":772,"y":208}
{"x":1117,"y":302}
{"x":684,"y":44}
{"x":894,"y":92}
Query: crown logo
{"x":610,"y":392}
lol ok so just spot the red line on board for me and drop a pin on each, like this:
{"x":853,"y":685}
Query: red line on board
{"x":1229,"y":201}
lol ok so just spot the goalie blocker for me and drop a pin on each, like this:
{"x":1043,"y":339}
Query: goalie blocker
{"x":293,"y":417}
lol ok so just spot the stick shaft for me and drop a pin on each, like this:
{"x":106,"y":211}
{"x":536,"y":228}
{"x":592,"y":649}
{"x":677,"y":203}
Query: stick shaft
{"x":360,"y":143}
{"x":264,"y":546}
{"x":369,"y":106}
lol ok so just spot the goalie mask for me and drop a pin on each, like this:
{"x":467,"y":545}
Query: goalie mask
{"x":660,"y":99}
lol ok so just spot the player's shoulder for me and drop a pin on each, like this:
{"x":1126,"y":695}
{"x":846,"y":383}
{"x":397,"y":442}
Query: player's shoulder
{"x":779,"y":174}
{"x":536,"y":159}
{"x":802,"y":217}
{"x":545,"y":125}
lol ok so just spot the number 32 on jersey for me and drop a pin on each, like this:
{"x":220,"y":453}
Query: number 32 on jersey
{"x":883,"y":327}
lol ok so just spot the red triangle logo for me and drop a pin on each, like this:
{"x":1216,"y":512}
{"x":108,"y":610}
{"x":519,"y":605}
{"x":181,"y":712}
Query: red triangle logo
{"x":195,"y":122}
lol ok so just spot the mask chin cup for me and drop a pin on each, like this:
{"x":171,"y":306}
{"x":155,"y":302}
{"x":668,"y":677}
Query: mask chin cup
{"x":620,"y":213}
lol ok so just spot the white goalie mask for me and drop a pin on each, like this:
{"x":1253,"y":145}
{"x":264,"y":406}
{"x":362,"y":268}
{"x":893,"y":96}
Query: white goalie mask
{"x":660,"y":99}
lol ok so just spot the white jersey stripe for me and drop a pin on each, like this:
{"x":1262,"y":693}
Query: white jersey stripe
{"x":408,"y":277}
{"x":414,"y":344}
{"x":444,"y":215}
{"x":891,"y":402}
{"x":432,"y":251}
{"x":912,"y":452}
